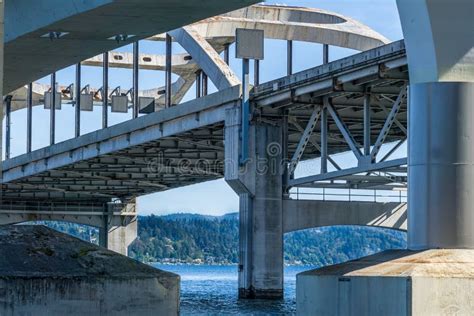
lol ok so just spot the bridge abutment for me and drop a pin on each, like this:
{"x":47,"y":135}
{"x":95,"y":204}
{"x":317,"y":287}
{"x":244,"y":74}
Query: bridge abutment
{"x":259,"y":186}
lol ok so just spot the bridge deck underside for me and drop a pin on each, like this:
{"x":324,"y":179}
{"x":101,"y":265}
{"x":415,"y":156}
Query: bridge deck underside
{"x":167,"y":160}
{"x":155,"y":166}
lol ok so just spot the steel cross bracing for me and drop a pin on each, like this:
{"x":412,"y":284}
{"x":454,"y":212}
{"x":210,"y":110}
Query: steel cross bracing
{"x":184,"y":144}
{"x":346,"y":106}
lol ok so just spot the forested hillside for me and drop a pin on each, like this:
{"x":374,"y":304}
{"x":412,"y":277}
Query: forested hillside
{"x":181,"y":238}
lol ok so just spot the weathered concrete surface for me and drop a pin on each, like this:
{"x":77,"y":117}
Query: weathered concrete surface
{"x":397,"y":282}
{"x":259,"y":186}
{"x":120,"y":237}
{"x":43,"y":272}
{"x":303,"y":214}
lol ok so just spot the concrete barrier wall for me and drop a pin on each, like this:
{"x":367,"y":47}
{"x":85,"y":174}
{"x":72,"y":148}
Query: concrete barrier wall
{"x":304,"y":214}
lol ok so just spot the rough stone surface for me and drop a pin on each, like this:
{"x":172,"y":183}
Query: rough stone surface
{"x":396,"y":282}
{"x":44,"y":272}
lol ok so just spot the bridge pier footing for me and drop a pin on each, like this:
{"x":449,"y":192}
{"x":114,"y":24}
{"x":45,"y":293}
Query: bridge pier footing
{"x":259,"y":185}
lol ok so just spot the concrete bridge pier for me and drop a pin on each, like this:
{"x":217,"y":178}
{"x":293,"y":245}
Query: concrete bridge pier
{"x":118,"y":232}
{"x":258,"y":183}
{"x":434,"y":276}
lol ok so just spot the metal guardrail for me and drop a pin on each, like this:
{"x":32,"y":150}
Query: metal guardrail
{"x":350,"y":196}
{"x":61,"y":208}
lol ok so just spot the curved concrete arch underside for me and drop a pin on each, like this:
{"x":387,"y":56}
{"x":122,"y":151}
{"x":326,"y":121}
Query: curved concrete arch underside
{"x":89,"y":25}
{"x":304,"y":214}
{"x":205,"y":40}
{"x":297,"y":215}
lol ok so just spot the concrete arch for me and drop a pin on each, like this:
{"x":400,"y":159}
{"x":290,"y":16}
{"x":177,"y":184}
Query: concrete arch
{"x":204,"y":40}
{"x":294,"y":23}
{"x":304,"y":214}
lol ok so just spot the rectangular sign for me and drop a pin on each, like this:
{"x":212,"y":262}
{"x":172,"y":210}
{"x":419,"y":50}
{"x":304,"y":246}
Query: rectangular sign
{"x":47,"y":100}
{"x":119,"y":103}
{"x":87,"y":102}
{"x":249,"y":44}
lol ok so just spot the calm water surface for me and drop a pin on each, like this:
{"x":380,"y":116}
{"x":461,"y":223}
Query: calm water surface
{"x":212,"y":290}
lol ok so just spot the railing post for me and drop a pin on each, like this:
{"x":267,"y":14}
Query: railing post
{"x":256,"y":72}
{"x":289,"y":56}
{"x":198,"y":84}
{"x":204,"y":84}
{"x":105,"y":90}
{"x":169,"y":48}
{"x":29,"y":118}
{"x":325,"y":54}
{"x":136,"y":61}
{"x":226,"y":54}
{"x":52,"y":117}
{"x":8,"y":110}
{"x":77,"y":109}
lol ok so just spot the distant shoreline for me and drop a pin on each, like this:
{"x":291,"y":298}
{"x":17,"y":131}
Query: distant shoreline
{"x":218,"y":264}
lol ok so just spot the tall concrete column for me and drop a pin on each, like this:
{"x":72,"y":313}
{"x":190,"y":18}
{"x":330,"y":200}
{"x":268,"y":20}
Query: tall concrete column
{"x":2,"y":33}
{"x":440,"y":49}
{"x":259,"y":186}
{"x":441,"y":165}
{"x":119,"y":231}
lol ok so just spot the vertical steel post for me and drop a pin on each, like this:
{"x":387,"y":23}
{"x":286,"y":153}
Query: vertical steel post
{"x":204,"y":84}
{"x":105,"y":89}
{"x":367,"y":124}
{"x":289,"y":57}
{"x":226,"y":54}
{"x":325,"y":54}
{"x":244,"y":155}
{"x":286,"y":176}
{"x":78,"y":101}
{"x":198,"y":84}
{"x":8,"y":122}
{"x":135,"y":78}
{"x":29,"y":118}
{"x":52,"y":118}
{"x":169,"y":47}
{"x":324,"y":140}
{"x":256,"y":72}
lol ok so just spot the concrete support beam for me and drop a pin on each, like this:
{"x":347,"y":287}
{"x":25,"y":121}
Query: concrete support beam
{"x":118,"y":232}
{"x":259,"y":185}
{"x":303,"y":214}
{"x":206,"y":56}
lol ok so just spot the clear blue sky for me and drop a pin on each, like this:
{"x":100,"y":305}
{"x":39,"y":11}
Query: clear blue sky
{"x":213,"y":197}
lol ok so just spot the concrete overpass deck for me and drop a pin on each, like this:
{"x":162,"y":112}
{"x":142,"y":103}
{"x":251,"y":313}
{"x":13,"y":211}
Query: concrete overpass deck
{"x":184,"y":144}
{"x":83,"y":29}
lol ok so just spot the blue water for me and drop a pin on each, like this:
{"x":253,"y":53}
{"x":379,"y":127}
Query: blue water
{"x":212,"y":290}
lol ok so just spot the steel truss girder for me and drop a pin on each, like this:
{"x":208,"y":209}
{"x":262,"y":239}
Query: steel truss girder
{"x":343,"y":129}
{"x":305,"y":138}
{"x":386,"y":165}
{"x":388,"y":123}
